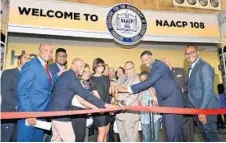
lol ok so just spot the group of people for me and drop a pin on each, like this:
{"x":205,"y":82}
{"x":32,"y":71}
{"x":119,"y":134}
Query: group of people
{"x":36,"y":86}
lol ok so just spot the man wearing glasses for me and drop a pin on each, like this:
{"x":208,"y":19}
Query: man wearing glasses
{"x":201,"y":93}
{"x":128,"y":122}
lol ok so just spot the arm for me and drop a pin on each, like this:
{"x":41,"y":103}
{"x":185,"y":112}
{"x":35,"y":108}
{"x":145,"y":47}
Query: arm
{"x":85,"y":103}
{"x":155,"y":75}
{"x":82,"y":92}
{"x":27,"y":77}
{"x":207,"y":80}
{"x":95,"y":93}
{"x":131,"y":99}
{"x":6,"y":89}
{"x":153,"y":95}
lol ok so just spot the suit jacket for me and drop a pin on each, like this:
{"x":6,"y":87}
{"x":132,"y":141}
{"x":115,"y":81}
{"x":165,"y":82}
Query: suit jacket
{"x":161,"y":78}
{"x":200,"y":86}
{"x":65,"y":88}
{"x":54,"y":69}
{"x":181,"y":78}
{"x":130,"y":100}
{"x":9,"y":82}
{"x":34,"y":88}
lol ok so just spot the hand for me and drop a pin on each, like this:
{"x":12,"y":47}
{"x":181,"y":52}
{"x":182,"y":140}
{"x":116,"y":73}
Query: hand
{"x":62,"y":71}
{"x":121,"y":89}
{"x":110,"y":106}
{"x":111,"y":113}
{"x":155,"y":102}
{"x":202,"y":119}
{"x":32,"y":121}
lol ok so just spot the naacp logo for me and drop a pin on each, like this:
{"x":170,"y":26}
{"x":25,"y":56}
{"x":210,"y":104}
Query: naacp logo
{"x":126,"y":24}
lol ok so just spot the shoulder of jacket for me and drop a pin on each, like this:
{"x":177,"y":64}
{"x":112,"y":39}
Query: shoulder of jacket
{"x":205,"y":64}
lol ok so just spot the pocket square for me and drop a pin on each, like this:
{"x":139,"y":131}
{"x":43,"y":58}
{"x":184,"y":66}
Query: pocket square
{"x":179,"y":75}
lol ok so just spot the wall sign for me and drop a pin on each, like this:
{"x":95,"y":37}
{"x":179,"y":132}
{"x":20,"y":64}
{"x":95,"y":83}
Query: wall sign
{"x":126,"y":23}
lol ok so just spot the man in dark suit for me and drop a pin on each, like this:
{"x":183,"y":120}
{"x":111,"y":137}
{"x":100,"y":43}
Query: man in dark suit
{"x":60,"y":61}
{"x":9,"y":82}
{"x":168,"y":93}
{"x":181,"y":78}
{"x":34,"y":93}
{"x":65,"y":88}
{"x":201,"y":92}
{"x":56,"y":68}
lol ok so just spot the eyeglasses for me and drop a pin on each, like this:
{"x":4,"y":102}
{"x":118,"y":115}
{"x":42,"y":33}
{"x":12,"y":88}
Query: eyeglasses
{"x":129,"y":68}
{"x":191,"y":53}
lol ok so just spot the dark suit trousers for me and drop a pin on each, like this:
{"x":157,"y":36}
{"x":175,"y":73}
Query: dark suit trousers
{"x":8,"y":130}
{"x":79,"y":125}
{"x":188,"y":128}
{"x":209,"y":130}
{"x":172,"y":125}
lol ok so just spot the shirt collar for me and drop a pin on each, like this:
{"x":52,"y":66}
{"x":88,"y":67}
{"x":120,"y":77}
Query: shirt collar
{"x":193,"y":64}
{"x":60,"y":67}
{"x":42,"y":61}
{"x":153,"y":63}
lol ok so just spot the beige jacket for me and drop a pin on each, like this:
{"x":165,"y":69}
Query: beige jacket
{"x":130,"y":99}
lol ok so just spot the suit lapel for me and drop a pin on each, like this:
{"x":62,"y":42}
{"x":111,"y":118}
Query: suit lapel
{"x":196,"y":67}
{"x":154,"y":64}
{"x":43,"y":69}
{"x":56,"y":67}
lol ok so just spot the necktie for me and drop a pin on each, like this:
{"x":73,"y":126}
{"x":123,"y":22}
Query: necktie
{"x":48,"y":73}
{"x":189,"y":70}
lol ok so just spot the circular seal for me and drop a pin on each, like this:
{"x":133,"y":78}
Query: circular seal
{"x":126,"y":24}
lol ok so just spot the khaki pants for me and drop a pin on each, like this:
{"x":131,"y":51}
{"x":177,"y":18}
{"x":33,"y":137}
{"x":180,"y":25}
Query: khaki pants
{"x":62,"y":131}
{"x":128,"y":130}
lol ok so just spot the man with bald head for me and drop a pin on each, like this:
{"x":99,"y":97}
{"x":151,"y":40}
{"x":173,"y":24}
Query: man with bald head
{"x":34,"y":92}
{"x":68,"y":85}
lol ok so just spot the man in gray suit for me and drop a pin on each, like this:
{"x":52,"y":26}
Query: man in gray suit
{"x":181,"y":77}
{"x":9,"y":82}
{"x":201,"y":93}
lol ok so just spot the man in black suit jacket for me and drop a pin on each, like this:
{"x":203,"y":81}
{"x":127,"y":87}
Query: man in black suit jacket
{"x":60,"y":61}
{"x":181,"y":78}
{"x":9,"y":82}
{"x":168,"y":93}
{"x":65,"y":88}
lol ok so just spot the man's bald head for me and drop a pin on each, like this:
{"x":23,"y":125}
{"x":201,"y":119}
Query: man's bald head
{"x":77,"y":66}
{"x":45,"y":52}
{"x":77,"y":60}
{"x":167,"y":62}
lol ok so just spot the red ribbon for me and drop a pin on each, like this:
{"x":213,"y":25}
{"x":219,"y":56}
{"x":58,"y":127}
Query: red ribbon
{"x":166,"y":110}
